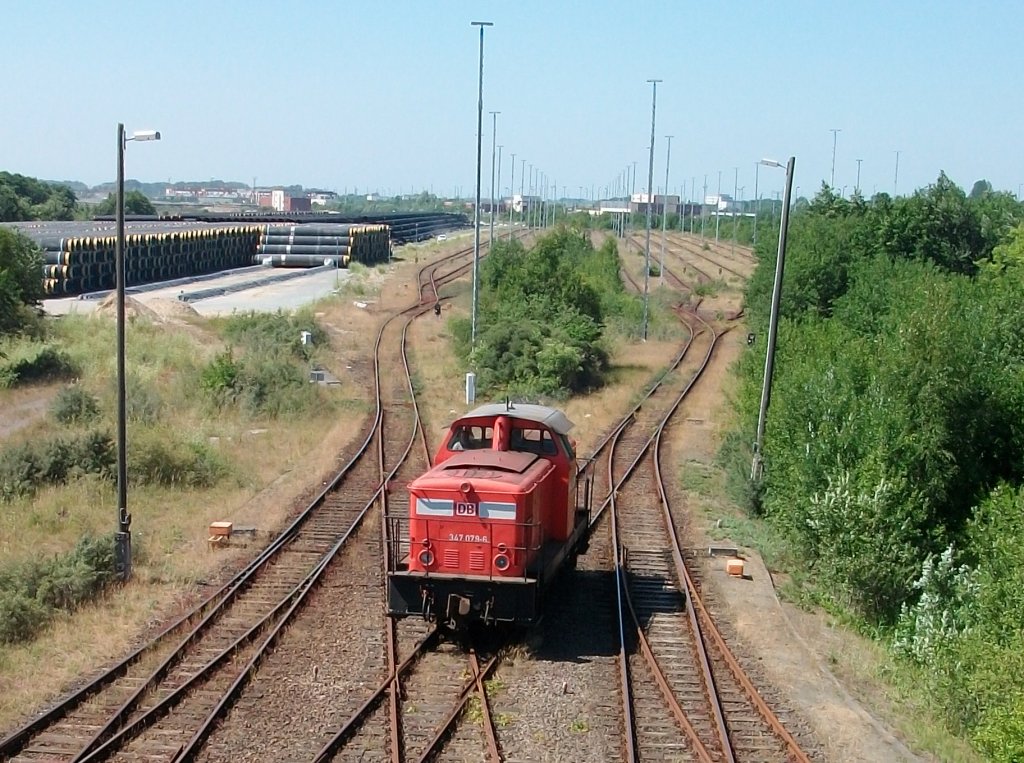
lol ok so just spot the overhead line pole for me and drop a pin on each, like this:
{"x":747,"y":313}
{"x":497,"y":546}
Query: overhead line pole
{"x":757,"y":467}
{"x":511,"y":193}
{"x":494,"y":140}
{"x":835,"y":136}
{"x":664,"y":211}
{"x":479,"y":148}
{"x":650,"y":203}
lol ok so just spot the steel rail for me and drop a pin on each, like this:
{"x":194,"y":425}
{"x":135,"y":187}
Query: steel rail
{"x":468,"y":688}
{"x":625,"y":680}
{"x":622,"y":592}
{"x":351,"y":725}
{"x":707,"y":277}
{"x":678,"y":247}
{"x":710,"y":689}
{"x":740,"y":675}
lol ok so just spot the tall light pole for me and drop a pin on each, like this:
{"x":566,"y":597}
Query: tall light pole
{"x":718,"y":205}
{"x":522,"y":186}
{"x":650,"y":203}
{"x":736,"y":205}
{"x":857,"y":190}
{"x":123,"y":539}
{"x":703,"y":203}
{"x":632,"y":192}
{"x":896,"y":177}
{"x":835,"y":136}
{"x":757,"y":467}
{"x":757,"y":201}
{"x":479,"y":146}
{"x":693,"y":194}
{"x":664,"y":211}
{"x":494,"y":140}
{"x":511,"y":193}
{"x":499,"y":192}
{"x":529,"y":214}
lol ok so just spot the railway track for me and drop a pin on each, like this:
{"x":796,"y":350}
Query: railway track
{"x":684,"y":693}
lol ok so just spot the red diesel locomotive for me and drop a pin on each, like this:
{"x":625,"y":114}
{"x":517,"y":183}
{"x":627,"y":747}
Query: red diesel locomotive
{"x":503,"y":509}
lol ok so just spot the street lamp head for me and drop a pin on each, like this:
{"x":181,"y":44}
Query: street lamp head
{"x":771,"y":163}
{"x":145,"y":135}
{"x":481,"y":23}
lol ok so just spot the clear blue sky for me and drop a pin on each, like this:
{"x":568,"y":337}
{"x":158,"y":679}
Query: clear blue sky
{"x":383,"y":95}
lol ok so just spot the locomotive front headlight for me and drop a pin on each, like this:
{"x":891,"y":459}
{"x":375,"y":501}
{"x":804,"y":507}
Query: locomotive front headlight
{"x":502,"y":548}
{"x":465,"y":488}
{"x":426,"y":557}
{"x":501,"y":562}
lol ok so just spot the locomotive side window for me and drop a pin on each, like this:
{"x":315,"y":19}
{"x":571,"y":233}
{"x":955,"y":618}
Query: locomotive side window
{"x":471,"y":438}
{"x":567,"y":445}
{"x":537,"y":441}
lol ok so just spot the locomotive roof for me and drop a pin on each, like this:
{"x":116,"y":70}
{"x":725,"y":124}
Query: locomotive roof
{"x":552,"y":418}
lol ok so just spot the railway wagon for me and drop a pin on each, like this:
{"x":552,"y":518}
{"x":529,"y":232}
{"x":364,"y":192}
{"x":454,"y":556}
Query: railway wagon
{"x":503,"y":510}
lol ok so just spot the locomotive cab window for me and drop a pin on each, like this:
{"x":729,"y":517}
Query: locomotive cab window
{"x":537,"y":441}
{"x":471,"y":438}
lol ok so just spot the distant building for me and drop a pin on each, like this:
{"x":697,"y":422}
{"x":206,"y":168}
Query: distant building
{"x":521,"y":202}
{"x":321,"y":198}
{"x":279,"y":201}
{"x":638,"y":203}
{"x":721,"y":203}
{"x":611,"y":207}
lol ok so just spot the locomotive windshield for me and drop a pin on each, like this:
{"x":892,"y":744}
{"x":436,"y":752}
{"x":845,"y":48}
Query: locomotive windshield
{"x":537,"y":441}
{"x":470,"y":438}
{"x":524,"y":439}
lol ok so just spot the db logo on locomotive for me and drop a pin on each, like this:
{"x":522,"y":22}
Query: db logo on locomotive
{"x":463,"y":509}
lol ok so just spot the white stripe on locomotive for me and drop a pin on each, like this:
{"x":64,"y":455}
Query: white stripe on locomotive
{"x":495,"y":510}
{"x":434,"y":507}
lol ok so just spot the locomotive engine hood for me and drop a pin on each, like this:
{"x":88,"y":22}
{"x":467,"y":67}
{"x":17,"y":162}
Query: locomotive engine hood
{"x":489,"y":470}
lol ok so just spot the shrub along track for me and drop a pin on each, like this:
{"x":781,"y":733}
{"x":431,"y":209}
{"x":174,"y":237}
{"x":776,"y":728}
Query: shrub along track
{"x":218,"y":645}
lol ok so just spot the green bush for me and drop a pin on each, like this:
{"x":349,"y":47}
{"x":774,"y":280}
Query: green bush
{"x":31,"y":593}
{"x":157,"y":458}
{"x":220,"y":378}
{"x":542,"y":316}
{"x":264,"y":382}
{"x":36,"y":362}
{"x":142,"y":401}
{"x":21,"y":287}
{"x":74,"y":405}
{"x":271,"y":333}
{"x":21,"y":616}
{"x":26,"y":467}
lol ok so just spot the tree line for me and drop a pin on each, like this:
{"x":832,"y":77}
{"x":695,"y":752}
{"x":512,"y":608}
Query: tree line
{"x":894,"y":447}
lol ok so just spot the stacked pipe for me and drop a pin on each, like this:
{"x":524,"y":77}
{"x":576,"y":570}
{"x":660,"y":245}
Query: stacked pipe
{"x":333,"y":245}
{"x":76,"y":264}
{"x":423,"y":226}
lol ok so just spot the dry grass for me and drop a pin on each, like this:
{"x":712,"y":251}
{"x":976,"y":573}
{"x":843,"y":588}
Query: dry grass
{"x":272,"y":465}
{"x":74,"y":647}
